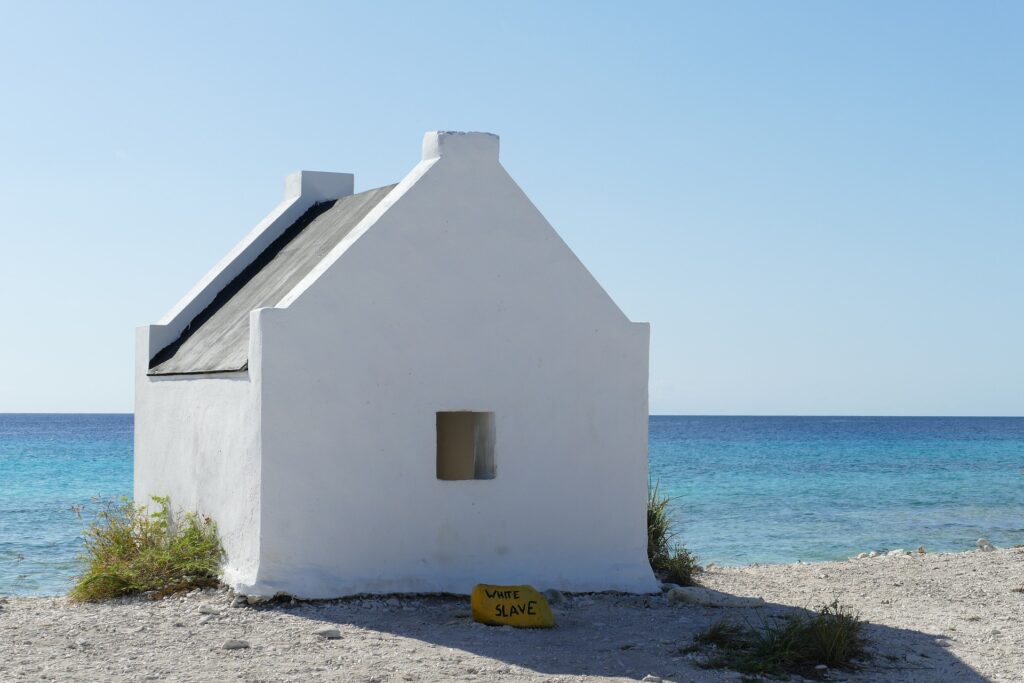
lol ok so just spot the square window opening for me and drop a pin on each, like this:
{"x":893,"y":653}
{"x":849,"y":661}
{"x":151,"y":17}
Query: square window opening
{"x":465,"y":445}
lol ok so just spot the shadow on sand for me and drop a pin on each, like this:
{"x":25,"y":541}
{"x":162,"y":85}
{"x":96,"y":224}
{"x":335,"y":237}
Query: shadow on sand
{"x":610,"y":635}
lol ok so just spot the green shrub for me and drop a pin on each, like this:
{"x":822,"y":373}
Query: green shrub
{"x":833,"y":635}
{"x":130,"y":550}
{"x":670,"y":562}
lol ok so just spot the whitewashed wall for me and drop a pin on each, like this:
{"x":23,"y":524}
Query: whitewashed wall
{"x":197,"y":441}
{"x":197,"y":437}
{"x":454,"y":294}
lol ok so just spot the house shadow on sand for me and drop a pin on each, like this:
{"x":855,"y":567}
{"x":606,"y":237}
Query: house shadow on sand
{"x":602,"y":635}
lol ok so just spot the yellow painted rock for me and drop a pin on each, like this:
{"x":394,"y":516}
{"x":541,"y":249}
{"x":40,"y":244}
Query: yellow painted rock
{"x":520,"y":606}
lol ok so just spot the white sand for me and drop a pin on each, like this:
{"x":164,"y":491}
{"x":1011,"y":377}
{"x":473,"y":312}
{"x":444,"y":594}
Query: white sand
{"x":934,"y":618}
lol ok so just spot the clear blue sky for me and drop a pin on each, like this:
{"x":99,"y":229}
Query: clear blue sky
{"x":818,"y":206}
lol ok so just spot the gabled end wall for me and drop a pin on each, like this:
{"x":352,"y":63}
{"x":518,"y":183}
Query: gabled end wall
{"x":454,"y":294}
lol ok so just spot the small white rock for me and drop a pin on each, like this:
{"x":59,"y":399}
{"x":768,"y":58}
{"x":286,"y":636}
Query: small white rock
{"x":328,"y":633}
{"x":235,"y":644}
{"x":821,"y":667}
{"x":862,"y":556}
{"x":898,"y":551}
{"x":239,"y":601}
{"x":874,"y":553}
{"x":984,"y":546}
{"x":208,"y":609}
{"x":205,"y":619}
{"x":695,"y":595}
{"x":651,"y":678}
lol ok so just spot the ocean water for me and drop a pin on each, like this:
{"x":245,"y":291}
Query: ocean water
{"x":782,"y":489}
{"x":49,"y":463}
{"x":745,"y":489}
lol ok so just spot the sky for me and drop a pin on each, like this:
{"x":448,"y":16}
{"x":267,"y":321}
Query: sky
{"x":819,"y":207}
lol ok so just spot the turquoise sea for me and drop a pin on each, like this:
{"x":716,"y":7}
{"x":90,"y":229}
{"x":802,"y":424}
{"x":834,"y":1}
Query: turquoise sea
{"x":746,"y":489}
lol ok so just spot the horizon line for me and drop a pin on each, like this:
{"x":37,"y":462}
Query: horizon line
{"x":829,"y":415}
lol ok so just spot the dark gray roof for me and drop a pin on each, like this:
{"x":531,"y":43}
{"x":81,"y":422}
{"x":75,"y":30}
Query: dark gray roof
{"x":217,"y":339}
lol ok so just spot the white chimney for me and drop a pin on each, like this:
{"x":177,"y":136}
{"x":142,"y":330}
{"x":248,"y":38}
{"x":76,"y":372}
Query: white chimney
{"x":450,"y":143}
{"x":318,"y":186}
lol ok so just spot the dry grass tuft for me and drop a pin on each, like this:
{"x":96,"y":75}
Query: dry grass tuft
{"x":795,"y":644}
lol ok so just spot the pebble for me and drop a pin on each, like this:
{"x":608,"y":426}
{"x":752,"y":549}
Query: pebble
{"x":898,"y":551}
{"x":256,"y":599}
{"x":239,"y":601}
{"x":874,"y":553}
{"x":328,"y":633}
{"x":208,"y":609}
{"x":821,"y":667}
{"x":984,"y":546}
{"x":651,"y":678}
{"x":205,"y":619}
{"x":235,"y":644}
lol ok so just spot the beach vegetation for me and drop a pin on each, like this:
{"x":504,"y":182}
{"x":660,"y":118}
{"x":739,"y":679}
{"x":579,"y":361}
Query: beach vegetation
{"x":669,"y":560}
{"x":723,"y":635}
{"x":130,"y":549}
{"x":833,"y":636}
{"x":679,"y":567}
{"x":659,"y":523}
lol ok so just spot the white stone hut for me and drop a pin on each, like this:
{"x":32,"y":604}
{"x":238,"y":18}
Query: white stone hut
{"x":414,"y":388}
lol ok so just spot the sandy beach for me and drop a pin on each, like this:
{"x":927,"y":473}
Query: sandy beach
{"x":933,"y":617}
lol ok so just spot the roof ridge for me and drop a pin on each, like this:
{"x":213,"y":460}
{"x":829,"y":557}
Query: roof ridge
{"x":227,"y":334}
